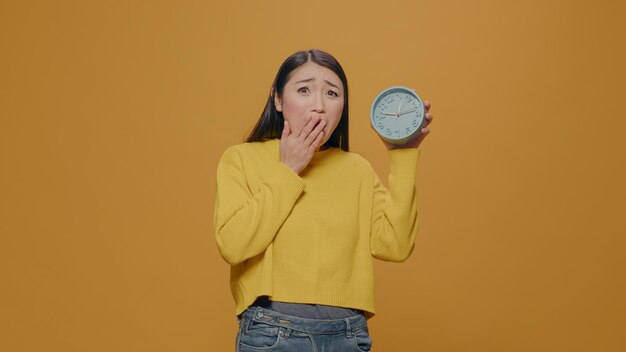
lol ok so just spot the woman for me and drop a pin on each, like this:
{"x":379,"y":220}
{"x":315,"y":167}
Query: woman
{"x":300,"y":218}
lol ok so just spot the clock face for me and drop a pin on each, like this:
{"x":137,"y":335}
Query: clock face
{"x":397,"y":114}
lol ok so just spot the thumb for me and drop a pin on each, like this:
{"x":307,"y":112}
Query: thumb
{"x":286,"y":130}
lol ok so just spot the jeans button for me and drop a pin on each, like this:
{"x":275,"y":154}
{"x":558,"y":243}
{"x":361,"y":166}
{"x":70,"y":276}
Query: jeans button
{"x":259,"y":314}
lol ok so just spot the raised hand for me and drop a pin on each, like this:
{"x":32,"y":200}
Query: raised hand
{"x":298,"y":146}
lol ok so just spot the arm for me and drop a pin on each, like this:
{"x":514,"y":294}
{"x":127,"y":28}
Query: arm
{"x":246,"y":220}
{"x":394,"y":213}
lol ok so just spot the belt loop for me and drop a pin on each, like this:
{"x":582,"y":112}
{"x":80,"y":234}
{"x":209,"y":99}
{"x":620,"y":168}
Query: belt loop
{"x":348,"y":329}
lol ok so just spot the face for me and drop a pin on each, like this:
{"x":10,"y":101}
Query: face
{"x":312,"y":90}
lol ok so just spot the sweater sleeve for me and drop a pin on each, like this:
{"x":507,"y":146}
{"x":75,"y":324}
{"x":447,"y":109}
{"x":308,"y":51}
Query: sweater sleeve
{"x":394,"y":215}
{"x":246,"y":220}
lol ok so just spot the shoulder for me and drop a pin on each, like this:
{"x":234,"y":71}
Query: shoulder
{"x":249,"y":149}
{"x":244,"y":157}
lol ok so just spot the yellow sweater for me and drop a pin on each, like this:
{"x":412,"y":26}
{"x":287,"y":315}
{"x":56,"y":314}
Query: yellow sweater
{"x":312,"y":237}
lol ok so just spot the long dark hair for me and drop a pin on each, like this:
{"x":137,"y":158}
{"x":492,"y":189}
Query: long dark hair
{"x":271,"y":122}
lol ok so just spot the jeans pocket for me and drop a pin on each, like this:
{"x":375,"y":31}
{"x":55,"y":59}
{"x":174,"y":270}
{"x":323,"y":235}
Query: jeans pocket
{"x":259,"y":336}
{"x":362,"y":340}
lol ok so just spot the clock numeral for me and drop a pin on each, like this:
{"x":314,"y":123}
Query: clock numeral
{"x":414,"y":123}
{"x":397,"y":132}
{"x":409,"y":99}
{"x":388,"y":131}
{"x":408,"y":130}
{"x":380,"y":124}
{"x":389,"y":99}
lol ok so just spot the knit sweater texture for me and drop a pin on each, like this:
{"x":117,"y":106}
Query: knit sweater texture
{"x":311,"y":237}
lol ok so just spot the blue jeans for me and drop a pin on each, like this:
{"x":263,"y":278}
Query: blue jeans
{"x":261,"y":329}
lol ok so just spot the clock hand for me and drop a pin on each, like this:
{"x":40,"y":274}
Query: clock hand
{"x":406,"y":111}
{"x":399,"y":108}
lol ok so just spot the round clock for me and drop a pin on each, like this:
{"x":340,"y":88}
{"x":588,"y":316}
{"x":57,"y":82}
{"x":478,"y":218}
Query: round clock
{"x":397,"y":115}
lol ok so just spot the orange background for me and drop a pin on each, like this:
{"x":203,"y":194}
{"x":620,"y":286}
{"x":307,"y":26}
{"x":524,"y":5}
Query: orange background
{"x":114,"y":114}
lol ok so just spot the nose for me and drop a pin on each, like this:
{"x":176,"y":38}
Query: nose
{"x":318,"y":104}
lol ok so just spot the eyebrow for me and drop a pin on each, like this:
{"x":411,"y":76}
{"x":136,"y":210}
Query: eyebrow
{"x":312,"y":79}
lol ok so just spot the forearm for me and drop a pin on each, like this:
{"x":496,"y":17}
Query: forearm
{"x":395,"y":220}
{"x":247,"y":230}
{"x":246,"y":220}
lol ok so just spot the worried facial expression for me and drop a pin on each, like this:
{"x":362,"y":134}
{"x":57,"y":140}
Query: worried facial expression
{"x":312,"y":90}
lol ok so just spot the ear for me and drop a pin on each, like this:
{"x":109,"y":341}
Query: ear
{"x":277,"y":103}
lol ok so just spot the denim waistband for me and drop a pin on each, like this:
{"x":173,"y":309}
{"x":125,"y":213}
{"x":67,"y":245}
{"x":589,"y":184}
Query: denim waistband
{"x":311,"y":326}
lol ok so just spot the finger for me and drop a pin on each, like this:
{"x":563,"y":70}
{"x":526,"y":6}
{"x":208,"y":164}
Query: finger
{"x":429,"y":118}
{"x":420,"y":138}
{"x":313,"y":120}
{"x":286,"y":130}
{"x":318,"y":140}
{"x":427,"y":105}
{"x":316,"y":131}
{"x":297,"y":132}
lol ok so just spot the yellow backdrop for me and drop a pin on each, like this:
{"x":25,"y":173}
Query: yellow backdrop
{"x":114,"y":114}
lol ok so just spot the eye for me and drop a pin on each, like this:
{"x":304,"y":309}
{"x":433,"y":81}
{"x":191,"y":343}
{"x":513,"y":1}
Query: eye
{"x":303,"y":89}
{"x":332,"y":93}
